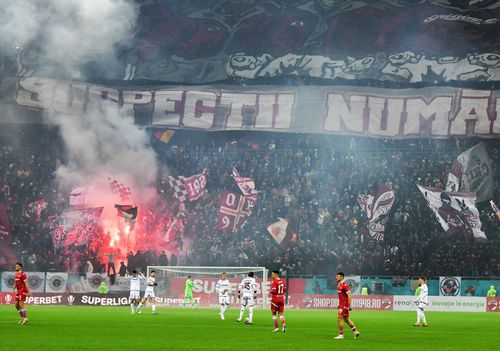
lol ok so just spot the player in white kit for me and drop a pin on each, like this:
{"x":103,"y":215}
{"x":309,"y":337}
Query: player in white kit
{"x":422,"y":301}
{"x":149,"y":294}
{"x":223,"y":287}
{"x":135,"y":288}
{"x":246,"y":292}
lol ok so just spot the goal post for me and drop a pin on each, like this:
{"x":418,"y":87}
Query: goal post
{"x":171,"y":284}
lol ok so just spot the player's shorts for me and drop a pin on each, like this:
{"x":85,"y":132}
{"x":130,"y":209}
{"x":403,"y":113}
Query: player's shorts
{"x":21,"y":295}
{"x":224,"y":300}
{"x":148,"y":294}
{"x":247,"y":301}
{"x":135,"y":295}
{"x":343,"y":311}
{"x":277,"y":306}
{"x":422,"y":305}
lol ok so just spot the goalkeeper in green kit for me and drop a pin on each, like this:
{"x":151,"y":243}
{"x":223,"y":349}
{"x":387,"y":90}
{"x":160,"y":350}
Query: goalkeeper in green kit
{"x":188,"y":292}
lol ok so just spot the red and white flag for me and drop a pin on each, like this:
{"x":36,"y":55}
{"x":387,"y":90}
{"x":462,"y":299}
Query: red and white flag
{"x":195,"y":185}
{"x":120,"y":189}
{"x":376,"y":209}
{"x":282,"y":233}
{"x":234,"y":211}
{"x":246,"y":184}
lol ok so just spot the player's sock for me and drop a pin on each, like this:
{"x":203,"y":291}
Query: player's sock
{"x":341,"y":331}
{"x":283,"y":321}
{"x":418,"y":316}
{"x":275,"y":321}
{"x":242,"y":310}
{"x":132,"y":307}
{"x":354,"y":329}
{"x":153,"y":307}
{"x":422,"y":315}
{"x":21,"y":313}
{"x":250,"y":313}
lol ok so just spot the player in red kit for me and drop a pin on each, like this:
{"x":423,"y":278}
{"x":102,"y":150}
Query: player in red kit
{"x":345,"y":299}
{"x":278,"y":290}
{"x":21,"y":289}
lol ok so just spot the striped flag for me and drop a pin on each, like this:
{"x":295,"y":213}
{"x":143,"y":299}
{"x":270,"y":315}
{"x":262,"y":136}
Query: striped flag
{"x":164,"y":136}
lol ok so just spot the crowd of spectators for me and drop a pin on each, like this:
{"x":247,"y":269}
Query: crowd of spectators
{"x":312,"y":181}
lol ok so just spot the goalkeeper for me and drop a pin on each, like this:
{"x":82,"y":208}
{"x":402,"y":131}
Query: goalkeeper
{"x":188,"y":292}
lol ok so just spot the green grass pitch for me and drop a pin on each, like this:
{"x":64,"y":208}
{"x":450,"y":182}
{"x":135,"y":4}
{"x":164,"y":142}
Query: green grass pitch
{"x":114,"y":328}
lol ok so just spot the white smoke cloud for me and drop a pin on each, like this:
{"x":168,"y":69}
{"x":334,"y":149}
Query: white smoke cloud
{"x":61,"y":36}
{"x":102,"y":144}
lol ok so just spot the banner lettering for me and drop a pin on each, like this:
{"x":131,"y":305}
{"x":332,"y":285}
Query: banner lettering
{"x":436,"y":112}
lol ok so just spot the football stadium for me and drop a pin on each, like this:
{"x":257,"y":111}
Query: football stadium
{"x":249,"y":174}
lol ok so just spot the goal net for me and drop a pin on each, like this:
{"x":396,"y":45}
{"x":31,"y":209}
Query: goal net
{"x":171,"y":284}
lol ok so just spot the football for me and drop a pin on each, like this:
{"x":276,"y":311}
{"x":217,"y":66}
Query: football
{"x":247,"y":320}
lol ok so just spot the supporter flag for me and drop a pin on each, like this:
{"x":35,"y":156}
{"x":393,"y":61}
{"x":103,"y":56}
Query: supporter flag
{"x":195,"y":185}
{"x":176,"y":183}
{"x":164,"y":136}
{"x":472,"y":172}
{"x":376,"y":209}
{"x":246,"y":184}
{"x":191,"y":188}
{"x":456,"y":212}
{"x":78,"y":196}
{"x":495,"y":209}
{"x":282,"y":233}
{"x":234,"y":211}
{"x":173,"y":236}
{"x":128,"y":213}
{"x":123,"y":191}
{"x":75,"y":228}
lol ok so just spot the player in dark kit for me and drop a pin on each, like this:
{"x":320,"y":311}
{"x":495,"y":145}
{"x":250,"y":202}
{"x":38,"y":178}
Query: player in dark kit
{"x":278,"y":290}
{"x":345,"y":299}
{"x":21,"y":289}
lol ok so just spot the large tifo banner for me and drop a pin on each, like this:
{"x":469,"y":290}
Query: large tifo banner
{"x":437,"y":112}
{"x":387,"y":40}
